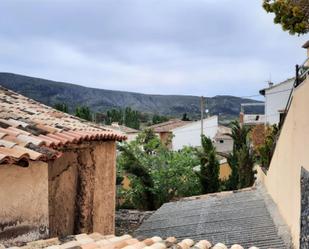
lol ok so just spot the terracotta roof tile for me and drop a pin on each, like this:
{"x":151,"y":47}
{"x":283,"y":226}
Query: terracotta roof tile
{"x":28,"y":127}
{"x":98,"y":241}
{"x":169,"y":125}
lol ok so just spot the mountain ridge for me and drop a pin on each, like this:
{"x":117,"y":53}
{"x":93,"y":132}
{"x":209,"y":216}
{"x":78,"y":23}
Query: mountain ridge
{"x":51,"y":92}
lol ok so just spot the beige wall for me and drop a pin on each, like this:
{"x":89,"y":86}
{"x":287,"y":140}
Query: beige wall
{"x":283,"y":178}
{"x":24,"y":202}
{"x":105,"y":188}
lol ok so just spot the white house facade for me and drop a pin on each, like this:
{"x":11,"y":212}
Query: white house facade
{"x":190,"y":134}
{"x":276,"y":98}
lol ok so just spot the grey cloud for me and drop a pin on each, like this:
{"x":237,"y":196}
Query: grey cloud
{"x":152,"y":46}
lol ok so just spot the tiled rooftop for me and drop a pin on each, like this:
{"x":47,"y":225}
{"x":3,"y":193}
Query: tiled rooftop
{"x":169,"y":125}
{"x":32,"y":131}
{"x":229,"y":218}
{"x":98,"y":241}
{"x":122,"y":128}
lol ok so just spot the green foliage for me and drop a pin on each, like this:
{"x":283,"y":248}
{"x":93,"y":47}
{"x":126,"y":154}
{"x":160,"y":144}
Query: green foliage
{"x":63,"y":107}
{"x":265,"y":151}
{"x":245,"y":159}
{"x":114,"y":115}
{"x":210,"y":168}
{"x":241,"y":160}
{"x":127,"y":117}
{"x":157,"y":174}
{"x":292,"y":15}
{"x":157,"y":119}
{"x":131,"y":118}
{"x":83,"y":112}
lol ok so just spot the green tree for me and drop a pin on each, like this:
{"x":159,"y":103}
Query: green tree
{"x":210,"y":168}
{"x":131,"y":118}
{"x":245,"y":159}
{"x":241,"y":160}
{"x":157,"y":119}
{"x":114,"y":115}
{"x":83,"y":112}
{"x":265,"y":151}
{"x":63,"y":107}
{"x":127,"y":117}
{"x":157,"y":174}
{"x":133,"y":163}
{"x":293,"y":15}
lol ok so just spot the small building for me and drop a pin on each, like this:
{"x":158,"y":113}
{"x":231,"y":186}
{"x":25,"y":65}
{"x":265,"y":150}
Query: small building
{"x":190,"y":133}
{"x":251,"y":119}
{"x":165,"y":130}
{"x":222,"y":141}
{"x":276,"y":98}
{"x":57,"y":172}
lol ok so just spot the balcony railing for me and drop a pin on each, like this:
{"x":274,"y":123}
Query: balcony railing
{"x":302,"y":72}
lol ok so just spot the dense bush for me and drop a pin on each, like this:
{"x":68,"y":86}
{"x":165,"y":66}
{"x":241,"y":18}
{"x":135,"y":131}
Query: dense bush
{"x":265,"y":151}
{"x":157,"y":174}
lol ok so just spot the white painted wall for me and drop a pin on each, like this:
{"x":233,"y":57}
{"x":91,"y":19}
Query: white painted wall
{"x":190,"y":134}
{"x":275,"y":100}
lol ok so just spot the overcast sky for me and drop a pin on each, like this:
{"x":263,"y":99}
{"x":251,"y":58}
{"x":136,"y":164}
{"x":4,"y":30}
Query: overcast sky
{"x":193,"y":47}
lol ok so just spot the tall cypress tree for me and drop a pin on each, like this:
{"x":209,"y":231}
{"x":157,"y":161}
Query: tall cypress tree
{"x":210,"y":168}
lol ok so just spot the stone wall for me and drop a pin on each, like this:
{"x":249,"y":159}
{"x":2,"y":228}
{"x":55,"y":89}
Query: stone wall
{"x":24,"y":203}
{"x":304,"y":230}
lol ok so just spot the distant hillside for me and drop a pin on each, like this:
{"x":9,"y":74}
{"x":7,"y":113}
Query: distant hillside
{"x":100,"y":100}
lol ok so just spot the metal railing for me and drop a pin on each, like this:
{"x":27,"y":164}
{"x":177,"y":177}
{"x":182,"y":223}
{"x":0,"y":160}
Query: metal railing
{"x":301,"y":72}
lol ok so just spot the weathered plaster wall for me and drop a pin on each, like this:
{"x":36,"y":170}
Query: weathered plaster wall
{"x":105,"y":188}
{"x":62,"y":194}
{"x":23,"y":203}
{"x":82,"y":189}
{"x":283,"y":177}
{"x":85,"y":190}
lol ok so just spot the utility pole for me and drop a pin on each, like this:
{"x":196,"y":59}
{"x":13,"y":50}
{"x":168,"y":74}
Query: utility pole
{"x":202,"y":114}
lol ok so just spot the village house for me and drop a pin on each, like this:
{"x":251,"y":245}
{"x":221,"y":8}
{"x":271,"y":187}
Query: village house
{"x":222,"y":141}
{"x":251,"y":119}
{"x":190,"y":134}
{"x":165,"y":130}
{"x":57,"y":172}
{"x":276,"y":98}
{"x":177,"y":133}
